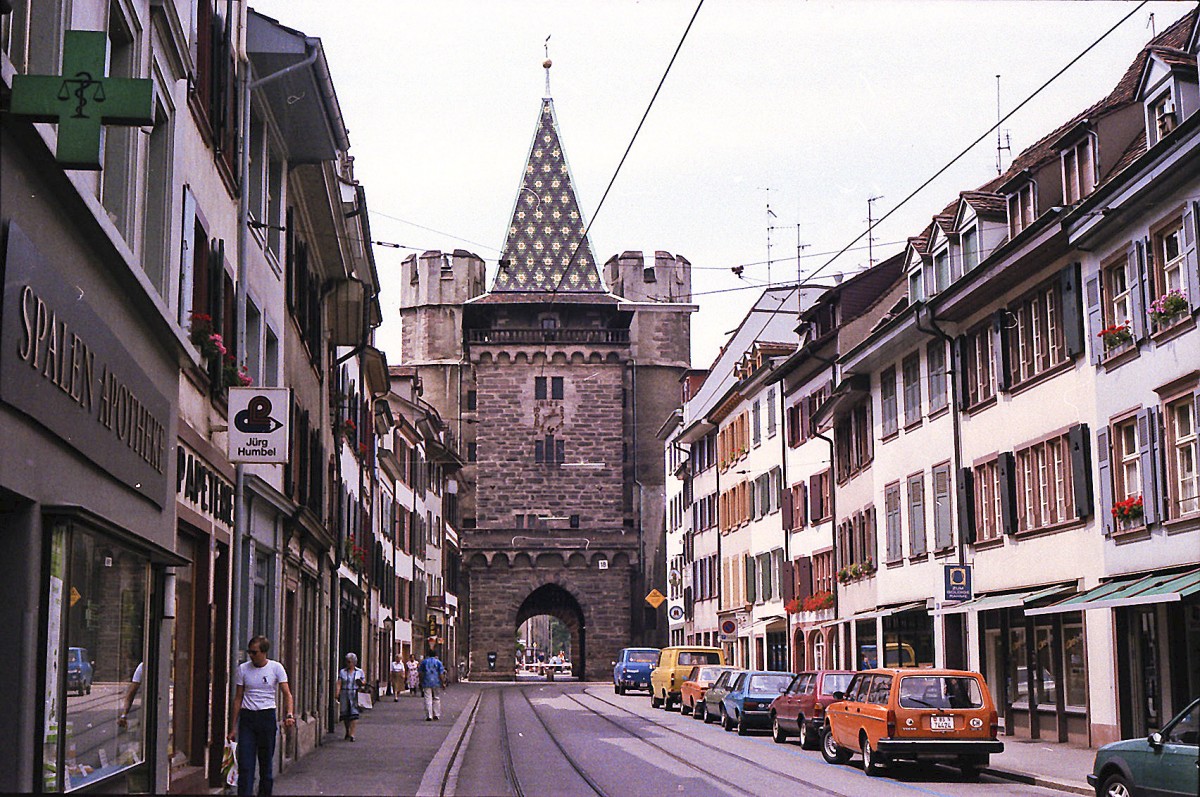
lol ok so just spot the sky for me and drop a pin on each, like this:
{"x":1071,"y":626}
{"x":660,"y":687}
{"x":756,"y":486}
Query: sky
{"x":810,"y":108}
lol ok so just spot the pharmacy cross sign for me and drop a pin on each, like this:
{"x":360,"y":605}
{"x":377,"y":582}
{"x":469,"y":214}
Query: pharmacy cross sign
{"x":83,"y":99}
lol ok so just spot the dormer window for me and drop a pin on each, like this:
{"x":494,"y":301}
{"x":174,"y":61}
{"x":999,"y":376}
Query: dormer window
{"x":941,"y":270}
{"x":1162,"y":118}
{"x":915,"y":288}
{"x":1022,"y":208}
{"x":1079,"y":170}
{"x":970,"y":248}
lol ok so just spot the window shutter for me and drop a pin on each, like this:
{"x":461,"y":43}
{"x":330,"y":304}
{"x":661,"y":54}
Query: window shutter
{"x":891,"y":522}
{"x":814,"y":496}
{"x":1072,"y":311}
{"x":966,"y":507}
{"x":787,"y":519}
{"x":801,"y":504}
{"x":751,"y":580}
{"x":872,"y":531}
{"x":1104,"y":482}
{"x":1081,"y":477}
{"x":1147,"y":431}
{"x":1006,"y":471}
{"x":1139,"y":280}
{"x":801,"y":576}
{"x":1000,"y":359}
{"x":764,"y":574}
{"x":1191,"y":271}
{"x":187,"y":252}
{"x":961,"y":346}
{"x":1095,"y":318}
{"x":806,"y":408}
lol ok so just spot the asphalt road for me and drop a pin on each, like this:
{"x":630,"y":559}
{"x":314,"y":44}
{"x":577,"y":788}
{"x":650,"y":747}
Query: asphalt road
{"x":581,"y":739}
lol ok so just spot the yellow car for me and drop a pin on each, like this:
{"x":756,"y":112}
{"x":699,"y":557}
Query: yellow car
{"x":674,"y":666}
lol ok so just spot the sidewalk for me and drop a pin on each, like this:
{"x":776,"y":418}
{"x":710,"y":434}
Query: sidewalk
{"x":393,"y":746}
{"x":1040,"y":763}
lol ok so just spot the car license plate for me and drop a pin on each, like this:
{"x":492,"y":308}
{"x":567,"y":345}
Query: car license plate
{"x":941,"y":723}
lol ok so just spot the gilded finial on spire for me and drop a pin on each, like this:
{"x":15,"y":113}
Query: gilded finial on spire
{"x":547,"y":64}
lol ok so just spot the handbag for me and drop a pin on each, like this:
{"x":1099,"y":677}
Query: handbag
{"x":229,"y":768}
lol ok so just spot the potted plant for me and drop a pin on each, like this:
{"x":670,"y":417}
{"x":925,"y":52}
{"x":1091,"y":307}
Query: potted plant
{"x":1116,"y":335}
{"x":1166,"y":307}
{"x":1130,"y":510}
{"x":202,"y":335}
{"x":856,"y":570}
{"x":822,"y":599}
{"x":793,"y":605}
{"x":843,"y":575}
{"x":233,"y":375}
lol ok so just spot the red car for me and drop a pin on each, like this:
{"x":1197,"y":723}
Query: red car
{"x":800,"y":710}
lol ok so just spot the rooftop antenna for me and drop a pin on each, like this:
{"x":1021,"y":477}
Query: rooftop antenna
{"x":770,"y":215}
{"x":799,"y":248}
{"x":870,"y":229}
{"x":547,"y":64}
{"x":1150,"y":25}
{"x":1003,"y":142}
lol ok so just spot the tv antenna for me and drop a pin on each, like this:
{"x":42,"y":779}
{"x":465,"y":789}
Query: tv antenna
{"x":1003,"y":142}
{"x":871,"y":229}
{"x":770,"y":215}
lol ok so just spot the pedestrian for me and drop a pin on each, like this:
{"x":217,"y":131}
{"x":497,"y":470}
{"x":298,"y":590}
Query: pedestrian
{"x":135,"y":683}
{"x":350,"y":680}
{"x":399,"y":676}
{"x":414,"y":676}
{"x":254,"y":720}
{"x":433,"y":680}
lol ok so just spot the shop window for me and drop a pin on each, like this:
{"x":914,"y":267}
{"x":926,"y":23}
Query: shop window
{"x":1074,"y":664}
{"x":1183,"y":487}
{"x":95,"y":718}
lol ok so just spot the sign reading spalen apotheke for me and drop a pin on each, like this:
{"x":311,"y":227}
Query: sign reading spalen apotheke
{"x":258,"y":424}
{"x":65,"y":367}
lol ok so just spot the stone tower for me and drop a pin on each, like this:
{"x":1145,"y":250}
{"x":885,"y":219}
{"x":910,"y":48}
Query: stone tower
{"x":556,"y":388}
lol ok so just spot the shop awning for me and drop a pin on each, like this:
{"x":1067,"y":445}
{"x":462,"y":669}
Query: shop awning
{"x":763,"y":625}
{"x":1130,"y":591}
{"x":888,"y":611}
{"x":1006,"y":601}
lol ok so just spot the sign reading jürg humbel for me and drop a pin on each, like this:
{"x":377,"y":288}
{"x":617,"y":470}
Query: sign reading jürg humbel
{"x":259,"y":424}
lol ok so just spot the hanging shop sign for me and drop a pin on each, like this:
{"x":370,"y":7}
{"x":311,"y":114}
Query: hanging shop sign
{"x":655,"y":598}
{"x":958,"y":582}
{"x":83,"y":99}
{"x":258,"y":424}
{"x":61,"y":364}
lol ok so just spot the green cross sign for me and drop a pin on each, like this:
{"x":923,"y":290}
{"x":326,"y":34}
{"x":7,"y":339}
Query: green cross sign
{"x":83,"y":99}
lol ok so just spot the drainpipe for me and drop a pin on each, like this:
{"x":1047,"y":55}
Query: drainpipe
{"x":832,"y":363}
{"x":240,"y":509}
{"x":955,"y":415}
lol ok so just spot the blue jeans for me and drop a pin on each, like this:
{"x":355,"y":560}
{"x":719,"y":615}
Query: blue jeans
{"x":255,"y":744}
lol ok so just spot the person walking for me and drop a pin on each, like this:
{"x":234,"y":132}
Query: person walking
{"x":254,"y":722}
{"x":350,"y":680}
{"x":399,"y":675}
{"x":433,"y":680}
{"x":414,"y":675}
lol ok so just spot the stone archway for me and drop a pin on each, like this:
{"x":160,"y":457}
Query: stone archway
{"x":554,"y":600}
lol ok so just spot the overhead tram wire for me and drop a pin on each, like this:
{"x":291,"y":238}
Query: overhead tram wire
{"x":596,"y":212}
{"x":955,"y":159}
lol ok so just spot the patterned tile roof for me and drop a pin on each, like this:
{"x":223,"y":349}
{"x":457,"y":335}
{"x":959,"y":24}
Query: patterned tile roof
{"x":546,"y":250}
{"x":986,"y":203}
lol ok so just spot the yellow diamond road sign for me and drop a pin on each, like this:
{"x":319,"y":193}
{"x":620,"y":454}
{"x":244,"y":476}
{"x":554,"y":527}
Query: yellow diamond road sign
{"x":655,"y":598}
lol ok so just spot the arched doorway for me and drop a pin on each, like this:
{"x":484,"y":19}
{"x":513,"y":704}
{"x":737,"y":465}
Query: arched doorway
{"x":556,"y":602}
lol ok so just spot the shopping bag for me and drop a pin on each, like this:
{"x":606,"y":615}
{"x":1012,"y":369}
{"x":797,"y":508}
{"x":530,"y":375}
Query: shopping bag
{"x":229,"y":768}
{"x":364,"y":699}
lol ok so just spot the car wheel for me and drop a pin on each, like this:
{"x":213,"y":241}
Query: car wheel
{"x":742,"y":728}
{"x":668,"y":703}
{"x":831,"y":751}
{"x":872,"y":765}
{"x":685,"y":709}
{"x":778,"y":734}
{"x":809,"y":739}
{"x":1115,"y":785}
{"x":87,"y":690}
{"x":726,"y":720}
{"x":617,"y":688}
{"x":704,"y":716}
{"x":654,"y":701}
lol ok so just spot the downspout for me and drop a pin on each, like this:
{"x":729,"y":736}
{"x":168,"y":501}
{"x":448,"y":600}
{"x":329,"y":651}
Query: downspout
{"x":787,"y":535}
{"x":832,"y":489}
{"x":240,"y":509}
{"x":955,"y":414}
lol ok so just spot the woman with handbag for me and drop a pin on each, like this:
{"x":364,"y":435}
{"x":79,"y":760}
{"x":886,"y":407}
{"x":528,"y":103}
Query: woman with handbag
{"x":350,"y":680}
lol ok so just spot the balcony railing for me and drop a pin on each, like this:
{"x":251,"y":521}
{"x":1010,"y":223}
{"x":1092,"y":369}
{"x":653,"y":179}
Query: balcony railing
{"x":609,"y":337}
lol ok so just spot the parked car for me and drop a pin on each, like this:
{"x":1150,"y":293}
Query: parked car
{"x":1165,"y":762}
{"x":80,"y":671}
{"x":800,"y":710}
{"x":674,"y":664}
{"x":712,"y":707}
{"x":912,"y":715}
{"x":632,"y":669}
{"x":691,"y":694}
{"x":747,"y":703}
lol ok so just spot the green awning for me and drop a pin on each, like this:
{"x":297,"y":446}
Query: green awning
{"x":1131,"y":591}
{"x":1006,"y":600}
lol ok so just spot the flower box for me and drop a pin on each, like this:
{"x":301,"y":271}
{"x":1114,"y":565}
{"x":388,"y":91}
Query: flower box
{"x":1165,"y":308}
{"x":1116,"y":335}
{"x":1129,"y":510}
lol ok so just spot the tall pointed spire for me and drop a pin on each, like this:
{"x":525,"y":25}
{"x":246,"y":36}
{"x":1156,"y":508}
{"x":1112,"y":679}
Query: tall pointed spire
{"x":546,"y":249}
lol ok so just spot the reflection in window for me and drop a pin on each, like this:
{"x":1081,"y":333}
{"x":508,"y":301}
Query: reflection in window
{"x":95,"y":643}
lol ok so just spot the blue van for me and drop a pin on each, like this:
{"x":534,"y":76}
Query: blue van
{"x":632,"y":669}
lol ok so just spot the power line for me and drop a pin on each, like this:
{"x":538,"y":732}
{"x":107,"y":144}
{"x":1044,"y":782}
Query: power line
{"x":617,"y":171}
{"x":430,"y":229}
{"x":952,"y":161}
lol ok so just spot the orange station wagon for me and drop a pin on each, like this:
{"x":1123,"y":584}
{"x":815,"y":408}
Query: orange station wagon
{"x":912,"y":714}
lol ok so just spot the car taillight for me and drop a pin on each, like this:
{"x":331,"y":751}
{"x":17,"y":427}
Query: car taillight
{"x":891,"y":723}
{"x":994,"y":724}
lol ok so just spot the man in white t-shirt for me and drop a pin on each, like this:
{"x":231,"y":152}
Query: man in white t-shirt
{"x":254,"y":721}
{"x":135,"y":683}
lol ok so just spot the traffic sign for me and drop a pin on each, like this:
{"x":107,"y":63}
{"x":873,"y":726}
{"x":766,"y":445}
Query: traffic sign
{"x":655,"y":598}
